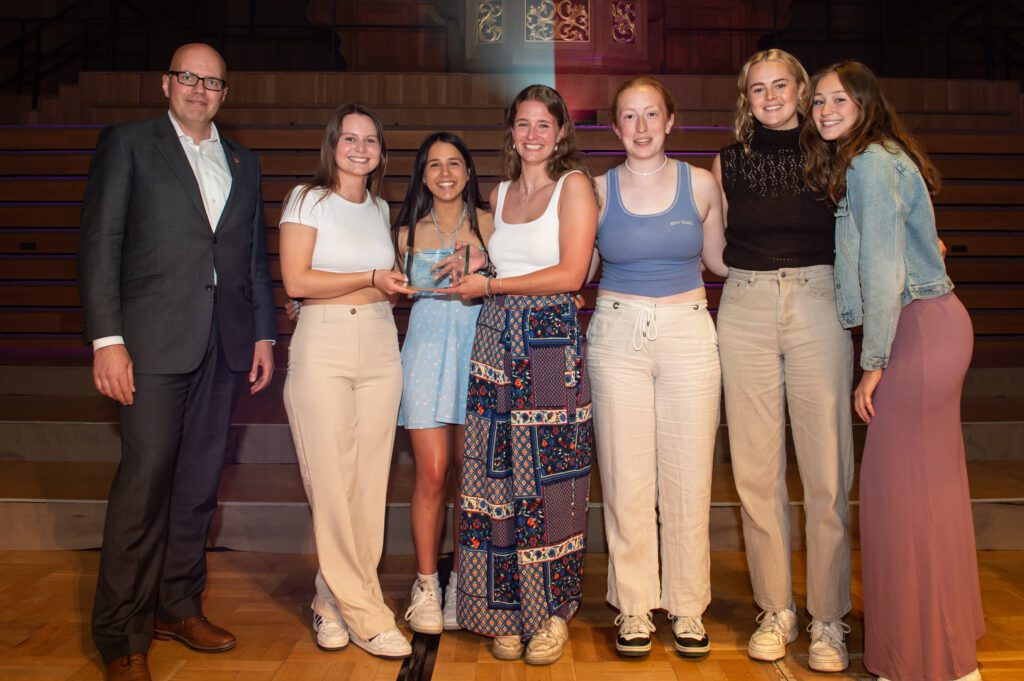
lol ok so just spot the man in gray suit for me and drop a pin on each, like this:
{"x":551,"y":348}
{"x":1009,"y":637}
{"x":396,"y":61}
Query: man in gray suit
{"x":178,"y":305}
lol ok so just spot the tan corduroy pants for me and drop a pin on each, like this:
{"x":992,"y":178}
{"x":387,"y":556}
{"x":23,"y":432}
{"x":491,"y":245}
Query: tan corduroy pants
{"x":781,"y":344}
{"x":342,"y":393}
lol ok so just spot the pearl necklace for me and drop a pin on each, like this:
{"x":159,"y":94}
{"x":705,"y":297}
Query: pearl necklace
{"x":653,"y":172}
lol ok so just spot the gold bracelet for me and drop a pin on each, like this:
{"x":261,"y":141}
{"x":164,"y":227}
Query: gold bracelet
{"x":487,"y":287}
{"x":501,"y":288}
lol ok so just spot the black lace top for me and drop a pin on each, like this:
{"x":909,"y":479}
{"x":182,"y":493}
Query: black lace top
{"x":774,"y":221}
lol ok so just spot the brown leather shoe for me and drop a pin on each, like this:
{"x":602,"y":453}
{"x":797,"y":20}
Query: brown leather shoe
{"x":129,"y":668}
{"x":198,"y":633}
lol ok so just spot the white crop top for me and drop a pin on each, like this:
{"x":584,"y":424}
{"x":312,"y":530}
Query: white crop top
{"x":350,"y":237}
{"x":525,"y":247}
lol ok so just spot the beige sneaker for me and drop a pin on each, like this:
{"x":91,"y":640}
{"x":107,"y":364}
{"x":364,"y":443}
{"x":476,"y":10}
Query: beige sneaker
{"x":777,"y":630}
{"x":547,"y":644}
{"x":827,"y":652}
{"x":507,"y":647}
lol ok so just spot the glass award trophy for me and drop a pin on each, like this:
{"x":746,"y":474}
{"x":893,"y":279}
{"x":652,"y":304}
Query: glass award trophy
{"x":419,"y":264}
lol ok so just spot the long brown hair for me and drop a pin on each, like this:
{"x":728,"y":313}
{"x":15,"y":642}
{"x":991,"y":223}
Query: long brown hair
{"x":566,"y":156}
{"x":877,"y":122}
{"x":326,"y":175}
{"x":743,"y":125}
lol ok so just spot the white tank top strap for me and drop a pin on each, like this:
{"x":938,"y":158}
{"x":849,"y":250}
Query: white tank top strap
{"x":502,"y":188}
{"x":555,"y":195}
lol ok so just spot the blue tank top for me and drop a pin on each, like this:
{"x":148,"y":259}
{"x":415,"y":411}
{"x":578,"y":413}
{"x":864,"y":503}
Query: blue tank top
{"x":651,"y":255}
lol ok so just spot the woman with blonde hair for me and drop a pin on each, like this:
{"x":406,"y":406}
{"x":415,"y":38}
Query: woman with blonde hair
{"x":655,"y":373}
{"x":345,"y":375}
{"x":782,"y":346}
{"x":922,"y":600}
{"x":526,"y":475}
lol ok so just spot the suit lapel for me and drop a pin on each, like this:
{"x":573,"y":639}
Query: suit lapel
{"x":169,"y":147}
{"x":235,"y":164}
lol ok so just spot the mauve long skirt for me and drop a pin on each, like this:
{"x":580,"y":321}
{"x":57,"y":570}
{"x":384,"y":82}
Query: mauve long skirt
{"x":922,"y":602}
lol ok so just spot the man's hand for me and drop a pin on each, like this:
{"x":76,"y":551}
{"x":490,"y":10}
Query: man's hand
{"x":112,"y":373}
{"x":262,"y":366}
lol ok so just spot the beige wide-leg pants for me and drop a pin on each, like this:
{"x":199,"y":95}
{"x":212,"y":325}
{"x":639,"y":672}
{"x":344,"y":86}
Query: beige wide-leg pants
{"x":656,"y":389}
{"x":342,"y":393}
{"x":781,"y":344}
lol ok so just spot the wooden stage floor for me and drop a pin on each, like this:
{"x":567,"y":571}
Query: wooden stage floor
{"x":46,"y":596}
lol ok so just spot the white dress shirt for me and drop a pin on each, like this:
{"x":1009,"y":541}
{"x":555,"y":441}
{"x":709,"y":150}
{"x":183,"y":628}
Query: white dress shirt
{"x":210,"y":166}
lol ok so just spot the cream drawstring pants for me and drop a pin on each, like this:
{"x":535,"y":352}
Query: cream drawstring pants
{"x":656,"y":387}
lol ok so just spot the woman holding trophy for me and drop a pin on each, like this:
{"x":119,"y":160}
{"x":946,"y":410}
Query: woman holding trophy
{"x":442,"y":214}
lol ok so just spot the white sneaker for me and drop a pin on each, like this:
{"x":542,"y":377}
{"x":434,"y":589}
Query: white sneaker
{"x":451,"y":596}
{"x":547,"y":644}
{"x":330,"y":634}
{"x":424,"y":613}
{"x":634,"y":639}
{"x":691,"y":639}
{"x":777,"y":630}
{"x":828,"y":646}
{"x":507,"y":647}
{"x":389,"y":644}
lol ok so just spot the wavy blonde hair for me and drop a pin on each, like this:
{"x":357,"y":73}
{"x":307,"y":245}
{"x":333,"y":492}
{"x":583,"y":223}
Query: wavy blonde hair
{"x":743,"y":126}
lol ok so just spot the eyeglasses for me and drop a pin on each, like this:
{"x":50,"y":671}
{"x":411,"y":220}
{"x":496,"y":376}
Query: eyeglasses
{"x":189,"y":79}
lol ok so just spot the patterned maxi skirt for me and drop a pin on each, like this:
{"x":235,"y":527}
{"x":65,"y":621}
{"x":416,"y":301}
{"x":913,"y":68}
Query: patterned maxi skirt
{"x":526,"y":479}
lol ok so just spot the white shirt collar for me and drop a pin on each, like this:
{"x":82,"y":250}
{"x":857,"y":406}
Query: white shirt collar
{"x":214,"y":135}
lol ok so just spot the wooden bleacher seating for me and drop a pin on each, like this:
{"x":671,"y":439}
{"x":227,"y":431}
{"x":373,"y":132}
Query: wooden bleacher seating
{"x":43,"y":171}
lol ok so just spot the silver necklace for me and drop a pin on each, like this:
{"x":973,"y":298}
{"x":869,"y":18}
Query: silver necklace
{"x":653,"y":172}
{"x":527,"y":195}
{"x":441,"y":233}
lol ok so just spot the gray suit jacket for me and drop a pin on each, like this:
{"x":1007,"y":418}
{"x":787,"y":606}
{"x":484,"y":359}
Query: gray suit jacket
{"x":147,"y":252}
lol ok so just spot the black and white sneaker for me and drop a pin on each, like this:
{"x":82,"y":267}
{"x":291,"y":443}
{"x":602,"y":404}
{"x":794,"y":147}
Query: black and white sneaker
{"x":634,"y":639}
{"x":691,"y":639}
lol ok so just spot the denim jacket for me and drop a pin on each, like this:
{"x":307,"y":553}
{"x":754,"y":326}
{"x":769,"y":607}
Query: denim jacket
{"x":887,"y":249}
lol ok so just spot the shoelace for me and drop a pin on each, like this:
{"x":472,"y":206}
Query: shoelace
{"x":645,"y":327}
{"x":634,"y":624}
{"x":423,"y":594}
{"x":833,"y":632}
{"x":769,"y":621}
{"x":388,"y":636}
{"x":545,"y":636}
{"x":327,"y":625}
{"x":688,"y":624}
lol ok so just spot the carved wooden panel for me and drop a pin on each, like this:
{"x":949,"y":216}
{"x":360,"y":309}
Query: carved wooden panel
{"x":557,"y":35}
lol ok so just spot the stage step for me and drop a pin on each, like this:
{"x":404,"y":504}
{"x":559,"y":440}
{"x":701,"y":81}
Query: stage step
{"x":82,"y":427}
{"x":59,"y":447}
{"x":61,"y":505}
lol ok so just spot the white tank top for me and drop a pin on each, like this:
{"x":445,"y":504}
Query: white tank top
{"x":525,"y":247}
